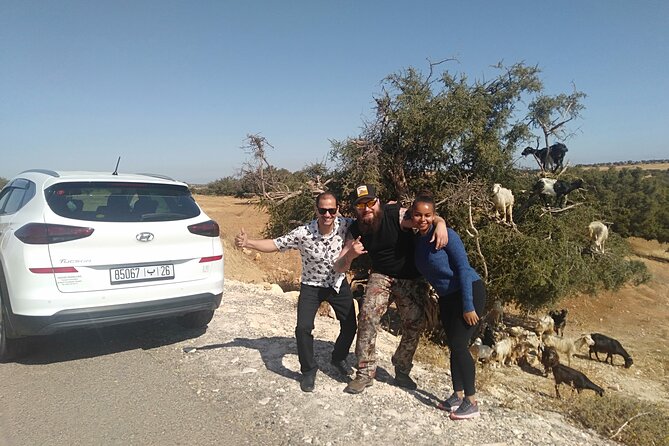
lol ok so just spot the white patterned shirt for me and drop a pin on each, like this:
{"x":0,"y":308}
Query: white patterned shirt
{"x":319,"y":252}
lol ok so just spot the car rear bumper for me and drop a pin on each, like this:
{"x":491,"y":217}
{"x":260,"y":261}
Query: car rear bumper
{"x":111,"y":315}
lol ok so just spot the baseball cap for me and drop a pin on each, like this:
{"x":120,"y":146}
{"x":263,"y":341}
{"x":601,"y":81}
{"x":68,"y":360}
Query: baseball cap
{"x":364,"y":192}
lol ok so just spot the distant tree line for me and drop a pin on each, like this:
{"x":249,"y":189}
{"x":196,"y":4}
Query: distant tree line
{"x":634,"y":200}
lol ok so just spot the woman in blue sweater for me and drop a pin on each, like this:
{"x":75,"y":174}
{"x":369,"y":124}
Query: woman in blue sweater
{"x":462,"y":296}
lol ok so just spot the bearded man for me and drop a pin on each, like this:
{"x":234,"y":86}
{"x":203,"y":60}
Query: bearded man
{"x":385,"y":234}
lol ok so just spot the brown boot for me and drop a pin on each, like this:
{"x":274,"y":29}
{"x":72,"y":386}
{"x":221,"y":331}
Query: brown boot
{"x":359,"y":384}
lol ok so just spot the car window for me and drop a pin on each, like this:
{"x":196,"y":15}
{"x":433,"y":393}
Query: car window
{"x":121,"y":202}
{"x":15,"y":195}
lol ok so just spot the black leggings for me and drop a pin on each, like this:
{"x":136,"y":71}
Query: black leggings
{"x":458,"y":334}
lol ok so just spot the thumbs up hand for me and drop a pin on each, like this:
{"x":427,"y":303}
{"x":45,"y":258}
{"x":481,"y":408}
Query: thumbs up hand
{"x":241,"y":238}
{"x":358,"y":248}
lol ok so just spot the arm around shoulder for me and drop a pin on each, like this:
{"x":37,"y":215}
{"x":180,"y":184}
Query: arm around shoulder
{"x":440,"y":236}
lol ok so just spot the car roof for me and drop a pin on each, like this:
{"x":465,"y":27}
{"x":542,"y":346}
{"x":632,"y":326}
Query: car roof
{"x":53,"y":176}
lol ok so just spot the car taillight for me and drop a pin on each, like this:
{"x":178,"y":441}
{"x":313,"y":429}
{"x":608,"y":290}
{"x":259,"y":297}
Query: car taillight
{"x":208,"y":229}
{"x":211,"y":259}
{"x":42,"y":233}
{"x":64,"y":269}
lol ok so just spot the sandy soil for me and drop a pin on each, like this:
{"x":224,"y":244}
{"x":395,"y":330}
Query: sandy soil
{"x":645,"y":166}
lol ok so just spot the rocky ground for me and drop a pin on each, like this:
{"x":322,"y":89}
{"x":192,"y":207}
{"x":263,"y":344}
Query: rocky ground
{"x":250,"y":345}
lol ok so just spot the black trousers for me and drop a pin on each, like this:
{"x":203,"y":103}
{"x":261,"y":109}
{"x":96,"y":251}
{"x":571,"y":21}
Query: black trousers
{"x":307,"y":306}
{"x":458,"y":334}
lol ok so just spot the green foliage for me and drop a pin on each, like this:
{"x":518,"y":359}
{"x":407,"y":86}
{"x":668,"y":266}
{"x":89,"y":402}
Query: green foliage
{"x":3,"y":181}
{"x":285,"y":216}
{"x":550,"y":256}
{"x":457,"y":137}
{"x":445,"y":127}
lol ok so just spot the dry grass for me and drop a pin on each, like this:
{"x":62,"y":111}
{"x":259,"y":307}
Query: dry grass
{"x":285,"y":279}
{"x":430,"y":353}
{"x":624,"y":419}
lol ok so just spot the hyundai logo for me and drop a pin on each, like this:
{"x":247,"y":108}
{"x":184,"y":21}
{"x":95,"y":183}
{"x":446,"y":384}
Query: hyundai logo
{"x":144,"y":237}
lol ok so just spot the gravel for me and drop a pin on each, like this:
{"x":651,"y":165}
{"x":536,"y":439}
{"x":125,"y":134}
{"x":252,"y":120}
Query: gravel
{"x":248,"y":358}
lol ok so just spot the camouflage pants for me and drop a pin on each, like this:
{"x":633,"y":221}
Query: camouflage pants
{"x":409,"y":295}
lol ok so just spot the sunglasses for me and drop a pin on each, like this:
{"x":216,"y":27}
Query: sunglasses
{"x":370,"y":204}
{"x":331,"y":211}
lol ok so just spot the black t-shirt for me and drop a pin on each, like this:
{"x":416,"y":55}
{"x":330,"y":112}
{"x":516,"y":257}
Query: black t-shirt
{"x":391,"y":249}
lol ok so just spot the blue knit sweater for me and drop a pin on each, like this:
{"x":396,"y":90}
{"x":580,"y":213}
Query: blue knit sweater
{"x":447,"y":269}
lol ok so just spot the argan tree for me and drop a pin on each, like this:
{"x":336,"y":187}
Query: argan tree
{"x":457,"y":137}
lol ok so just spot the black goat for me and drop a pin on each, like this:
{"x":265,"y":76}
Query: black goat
{"x":574,"y":378}
{"x":551,"y":158}
{"x":549,"y":359}
{"x":489,"y":337}
{"x":549,"y":187}
{"x":610,"y":346}
{"x":559,"y":319}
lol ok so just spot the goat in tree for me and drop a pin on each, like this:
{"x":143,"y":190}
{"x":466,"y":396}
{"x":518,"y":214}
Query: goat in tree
{"x":549,"y":187}
{"x":549,"y":158}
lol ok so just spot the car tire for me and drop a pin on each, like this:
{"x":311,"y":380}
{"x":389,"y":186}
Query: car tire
{"x":9,"y":348}
{"x":196,"y":319}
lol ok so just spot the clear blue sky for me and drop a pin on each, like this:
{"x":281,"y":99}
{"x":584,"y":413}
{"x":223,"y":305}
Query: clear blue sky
{"x":174,"y":87}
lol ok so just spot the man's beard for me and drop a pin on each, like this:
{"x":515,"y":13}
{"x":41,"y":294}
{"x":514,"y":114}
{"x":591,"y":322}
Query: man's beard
{"x":371,"y":225}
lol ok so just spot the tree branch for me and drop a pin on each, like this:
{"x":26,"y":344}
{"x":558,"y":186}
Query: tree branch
{"x":557,"y":211}
{"x":476,"y":237}
{"x":627,"y":422}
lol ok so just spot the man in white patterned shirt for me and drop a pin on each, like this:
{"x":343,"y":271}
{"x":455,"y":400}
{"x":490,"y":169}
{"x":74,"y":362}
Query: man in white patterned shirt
{"x":319,"y":242}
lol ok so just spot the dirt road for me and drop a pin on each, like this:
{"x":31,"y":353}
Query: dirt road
{"x":117,"y":386}
{"x":237,"y":383}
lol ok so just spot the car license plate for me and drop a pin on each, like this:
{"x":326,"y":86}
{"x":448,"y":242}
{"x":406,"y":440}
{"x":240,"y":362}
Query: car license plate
{"x":129,"y":274}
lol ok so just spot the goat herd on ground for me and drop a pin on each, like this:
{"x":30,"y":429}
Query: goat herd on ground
{"x":547,"y":189}
{"x":499,"y":345}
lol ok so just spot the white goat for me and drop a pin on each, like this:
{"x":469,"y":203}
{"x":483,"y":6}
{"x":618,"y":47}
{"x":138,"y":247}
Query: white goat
{"x":567,"y":346}
{"x":480,"y":352}
{"x":502,"y":352}
{"x":545,"y":325}
{"x":503,"y":200}
{"x":599,"y":232}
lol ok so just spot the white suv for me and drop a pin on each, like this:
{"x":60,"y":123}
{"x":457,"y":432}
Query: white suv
{"x":86,"y":249}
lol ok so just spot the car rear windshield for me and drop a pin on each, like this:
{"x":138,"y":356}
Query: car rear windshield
{"x":121,"y":202}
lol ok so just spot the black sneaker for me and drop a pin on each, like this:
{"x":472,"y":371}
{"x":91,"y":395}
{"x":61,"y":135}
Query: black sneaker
{"x":308,"y":382}
{"x":342,"y":367}
{"x":466,"y":411}
{"x":451,"y":404}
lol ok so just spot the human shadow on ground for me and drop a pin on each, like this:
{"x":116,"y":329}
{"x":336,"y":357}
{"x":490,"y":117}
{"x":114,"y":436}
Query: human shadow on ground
{"x":273,"y":349}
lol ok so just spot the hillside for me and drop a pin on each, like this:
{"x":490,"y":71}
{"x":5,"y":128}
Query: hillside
{"x":637,"y":316}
